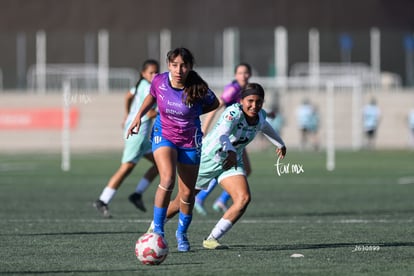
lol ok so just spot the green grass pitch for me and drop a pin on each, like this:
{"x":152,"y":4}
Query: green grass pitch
{"x":355,"y":220}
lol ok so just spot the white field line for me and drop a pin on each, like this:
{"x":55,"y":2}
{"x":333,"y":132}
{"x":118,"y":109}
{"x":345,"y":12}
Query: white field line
{"x":406,"y":180}
{"x":12,"y":167}
{"x":197,"y":221}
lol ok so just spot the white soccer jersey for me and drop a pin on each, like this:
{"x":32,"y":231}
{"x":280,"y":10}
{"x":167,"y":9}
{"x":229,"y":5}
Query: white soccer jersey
{"x":232,"y":132}
{"x":139,"y":95}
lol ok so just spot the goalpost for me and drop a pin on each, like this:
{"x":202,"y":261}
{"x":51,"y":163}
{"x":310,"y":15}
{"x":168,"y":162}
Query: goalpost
{"x":331,"y":86}
{"x":65,"y":155}
{"x":330,"y":126}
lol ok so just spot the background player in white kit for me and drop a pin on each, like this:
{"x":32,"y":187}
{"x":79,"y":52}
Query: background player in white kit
{"x":135,"y":148}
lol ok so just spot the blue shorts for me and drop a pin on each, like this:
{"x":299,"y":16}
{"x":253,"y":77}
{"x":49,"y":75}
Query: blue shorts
{"x":190,"y":156}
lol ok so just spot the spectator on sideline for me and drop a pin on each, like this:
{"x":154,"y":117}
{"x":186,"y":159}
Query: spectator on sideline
{"x":371,"y":119}
{"x":308,"y":122}
{"x":411,"y":127}
{"x":275,"y":119}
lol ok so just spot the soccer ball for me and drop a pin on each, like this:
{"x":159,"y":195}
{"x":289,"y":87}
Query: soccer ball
{"x":151,"y":249}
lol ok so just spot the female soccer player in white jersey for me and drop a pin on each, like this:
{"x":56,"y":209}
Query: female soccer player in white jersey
{"x":230,"y":95}
{"x":221,"y":157}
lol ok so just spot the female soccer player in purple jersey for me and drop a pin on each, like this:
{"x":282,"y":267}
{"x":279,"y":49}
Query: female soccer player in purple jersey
{"x":230,"y":95}
{"x":182,"y":96}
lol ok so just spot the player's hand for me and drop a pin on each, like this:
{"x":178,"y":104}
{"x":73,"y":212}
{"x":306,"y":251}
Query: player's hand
{"x":230,"y":161}
{"x":281,"y":152}
{"x":134,"y":128}
{"x":124,"y":121}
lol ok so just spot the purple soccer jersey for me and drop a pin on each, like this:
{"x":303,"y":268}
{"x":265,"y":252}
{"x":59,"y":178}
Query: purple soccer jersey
{"x":180,"y":123}
{"x":231,"y":93}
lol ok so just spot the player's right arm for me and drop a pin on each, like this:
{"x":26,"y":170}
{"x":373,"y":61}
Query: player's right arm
{"x":220,"y":138}
{"x":129,"y":98}
{"x":148,"y":103}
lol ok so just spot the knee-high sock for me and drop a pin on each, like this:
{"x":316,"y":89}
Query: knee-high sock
{"x":224,"y":197}
{"x":159,"y":220}
{"x":221,"y":228}
{"x":142,"y":185}
{"x":184,"y":222}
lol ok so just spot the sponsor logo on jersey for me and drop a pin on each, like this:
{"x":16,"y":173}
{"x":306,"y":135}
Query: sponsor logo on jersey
{"x":162,"y":87}
{"x":229,"y":116}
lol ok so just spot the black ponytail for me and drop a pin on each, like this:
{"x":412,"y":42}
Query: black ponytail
{"x":195,"y":88}
{"x":146,"y":63}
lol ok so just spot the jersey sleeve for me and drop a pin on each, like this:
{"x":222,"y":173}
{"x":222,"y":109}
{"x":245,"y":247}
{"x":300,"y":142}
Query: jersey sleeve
{"x":210,"y":98}
{"x":272,"y":135}
{"x":228,"y":94}
{"x":155,"y":82}
{"x":224,"y":127}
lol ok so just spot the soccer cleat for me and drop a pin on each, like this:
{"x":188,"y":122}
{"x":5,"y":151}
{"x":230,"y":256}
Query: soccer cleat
{"x":150,"y":228}
{"x":219,"y":206}
{"x":183,"y":245}
{"x":213,"y":244}
{"x":200,"y":208}
{"x":136,"y":199}
{"x":102,"y":208}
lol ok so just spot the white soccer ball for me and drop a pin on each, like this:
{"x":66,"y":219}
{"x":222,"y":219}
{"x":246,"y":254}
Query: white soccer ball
{"x":151,"y":249}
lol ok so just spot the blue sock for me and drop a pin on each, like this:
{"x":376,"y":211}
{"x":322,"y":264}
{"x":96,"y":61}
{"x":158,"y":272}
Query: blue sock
{"x":224,"y":197}
{"x":183,"y":222}
{"x":201,"y":196}
{"x":159,"y":219}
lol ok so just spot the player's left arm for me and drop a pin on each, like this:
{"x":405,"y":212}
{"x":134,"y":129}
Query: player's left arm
{"x":275,"y":139}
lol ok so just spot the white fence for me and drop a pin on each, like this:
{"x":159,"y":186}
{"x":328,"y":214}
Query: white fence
{"x":81,"y":76}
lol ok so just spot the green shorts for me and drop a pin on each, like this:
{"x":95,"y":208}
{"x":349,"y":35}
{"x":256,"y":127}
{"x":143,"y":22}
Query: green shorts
{"x":136,"y":146}
{"x":210,"y":169}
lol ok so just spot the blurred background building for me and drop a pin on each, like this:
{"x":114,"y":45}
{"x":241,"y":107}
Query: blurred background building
{"x":72,"y":31}
{"x":297,"y":48}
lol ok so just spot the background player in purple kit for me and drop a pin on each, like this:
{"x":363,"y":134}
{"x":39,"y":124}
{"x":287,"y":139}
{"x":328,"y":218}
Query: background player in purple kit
{"x":182,"y":96}
{"x":230,"y":95}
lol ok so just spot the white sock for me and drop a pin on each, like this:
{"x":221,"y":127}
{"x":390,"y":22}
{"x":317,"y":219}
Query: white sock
{"x":221,"y":228}
{"x":107,"y":195}
{"x":142,"y":186}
